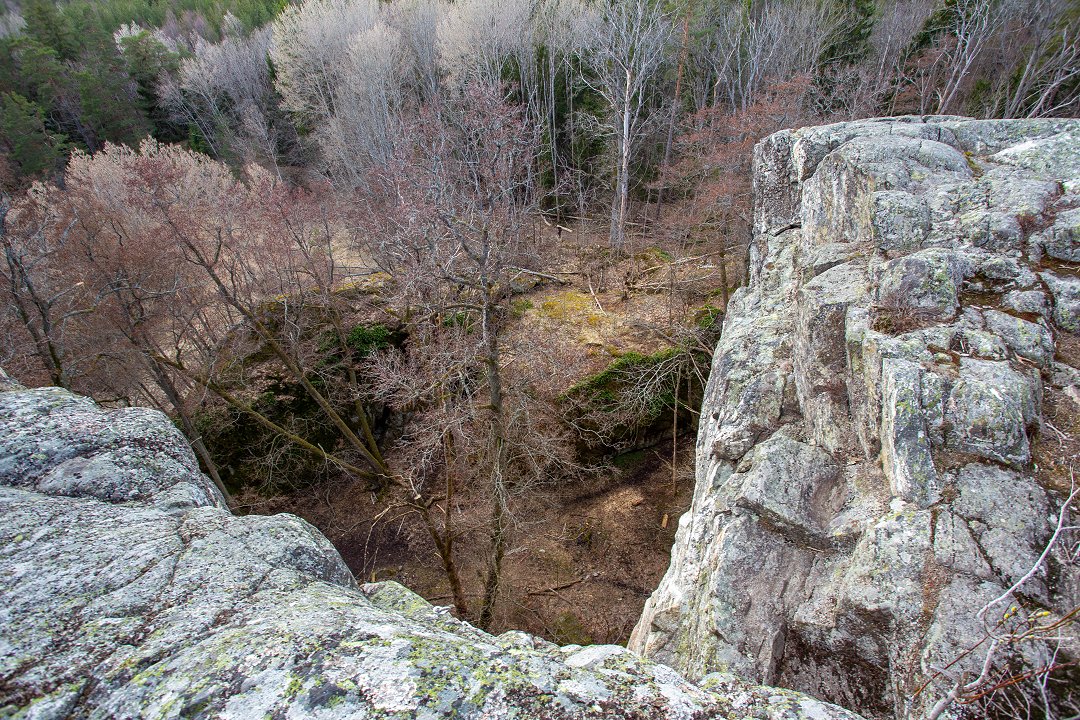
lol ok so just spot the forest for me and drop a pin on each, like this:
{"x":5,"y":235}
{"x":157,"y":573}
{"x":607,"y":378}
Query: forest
{"x":435,"y":274}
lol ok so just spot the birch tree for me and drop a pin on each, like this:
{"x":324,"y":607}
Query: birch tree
{"x":1038,"y":71}
{"x":417,"y":22}
{"x":341,"y":67}
{"x":225,"y":90}
{"x":632,"y":46}
{"x":479,"y":39}
{"x":865,"y":88}
{"x":746,"y":48}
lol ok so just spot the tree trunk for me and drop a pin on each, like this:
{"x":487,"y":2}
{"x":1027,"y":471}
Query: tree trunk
{"x":448,"y":532}
{"x":723,"y":274}
{"x":43,"y":339}
{"x":169,"y":388}
{"x":444,"y":546}
{"x":499,"y":510}
{"x":674,"y":105}
{"x":499,"y":517}
{"x":622,"y":176}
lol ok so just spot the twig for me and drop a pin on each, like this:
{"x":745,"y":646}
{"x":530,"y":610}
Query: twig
{"x":536,"y":273}
{"x":1058,"y":529}
{"x":593,"y":292}
{"x":970,"y":692}
{"x":1062,"y":437}
{"x":674,"y":263}
{"x":554,"y":590}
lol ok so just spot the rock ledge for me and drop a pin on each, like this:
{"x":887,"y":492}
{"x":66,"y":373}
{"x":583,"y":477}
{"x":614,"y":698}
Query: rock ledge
{"x":127,"y":590}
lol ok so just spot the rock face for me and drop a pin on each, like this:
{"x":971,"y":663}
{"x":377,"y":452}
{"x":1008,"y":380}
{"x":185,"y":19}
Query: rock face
{"x":128,"y":590}
{"x":865,"y":475}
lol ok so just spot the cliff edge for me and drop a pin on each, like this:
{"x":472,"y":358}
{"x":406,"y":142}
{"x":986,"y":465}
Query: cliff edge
{"x":876,"y":459}
{"x":128,"y":590}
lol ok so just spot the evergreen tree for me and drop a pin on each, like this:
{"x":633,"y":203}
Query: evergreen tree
{"x":25,"y":139}
{"x":52,"y":28}
{"x":146,"y":59}
{"x":31,"y":69}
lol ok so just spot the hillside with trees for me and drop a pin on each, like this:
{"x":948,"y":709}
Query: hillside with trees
{"x":443,"y":278}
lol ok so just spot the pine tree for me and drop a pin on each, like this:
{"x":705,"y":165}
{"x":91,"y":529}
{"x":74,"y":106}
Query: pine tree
{"x":24,"y":137}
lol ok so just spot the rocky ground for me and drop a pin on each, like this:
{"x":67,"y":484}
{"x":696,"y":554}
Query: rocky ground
{"x":890,"y":425}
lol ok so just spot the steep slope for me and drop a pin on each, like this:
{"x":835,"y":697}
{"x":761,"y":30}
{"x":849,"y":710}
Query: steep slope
{"x":873,"y":462}
{"x":127,"y":590}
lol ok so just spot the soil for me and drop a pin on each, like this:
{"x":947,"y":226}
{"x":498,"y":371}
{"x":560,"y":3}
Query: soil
{"x":1056,"y":450}
{"x":583,"y":560}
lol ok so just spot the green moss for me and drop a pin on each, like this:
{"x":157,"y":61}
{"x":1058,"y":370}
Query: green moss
{"x":362,"y":339}
{"x":569,"y":630}
{"x":627,"y":460}
{"x":398,"y":598}
{"x":654,"y":255}
{"x":974,"y":166}
{"x":632,"y":399}
{"x":520,"y":306}
{"x":461,"y":319}
{"x":566,"y":304}
{"x":708,"y":316}
{"x":367,"y":339}
{"x":605,"y":382}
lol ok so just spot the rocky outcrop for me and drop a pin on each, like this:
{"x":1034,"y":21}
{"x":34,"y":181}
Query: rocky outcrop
{"x":867,"y":476}
{"x":128,"y":590}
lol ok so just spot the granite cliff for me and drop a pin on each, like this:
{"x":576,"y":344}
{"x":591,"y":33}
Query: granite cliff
{"x":875,"y":459}
{"x":128,"y":590}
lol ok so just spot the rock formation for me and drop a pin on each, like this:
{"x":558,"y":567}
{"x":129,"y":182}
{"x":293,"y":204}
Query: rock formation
{"x":128,"y":590}
{"x":869,"y":472}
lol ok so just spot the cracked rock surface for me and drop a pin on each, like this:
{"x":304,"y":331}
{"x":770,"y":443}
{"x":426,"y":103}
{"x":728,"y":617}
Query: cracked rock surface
{"x":866,"y":473}
{"x":128,"y":590}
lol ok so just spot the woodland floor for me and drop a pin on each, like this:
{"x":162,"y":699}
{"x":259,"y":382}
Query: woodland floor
{"x":583,"y":562}
{"x":585,"y":554}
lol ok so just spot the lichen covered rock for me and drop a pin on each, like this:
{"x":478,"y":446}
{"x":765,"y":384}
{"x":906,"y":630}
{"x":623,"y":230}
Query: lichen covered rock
{"x":866,"y":475}
{"x":128,"y":590}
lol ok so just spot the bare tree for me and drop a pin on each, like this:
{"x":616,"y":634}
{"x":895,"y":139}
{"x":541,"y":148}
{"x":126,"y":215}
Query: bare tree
{"x":747,"y":48}
{"x":1038,"y":61}
{"x":341,"y":67}
{"x":11,"y":21}
{"x":1024,"y":52}
{"x":478,"y":39}
{"x":676,"y":100}
{"x":225,"y":90}
{"x":203,"y":270}
{"x":454,"y":210}
{"x":866,"y":87}
{"x":47,"y":302}
{"x":633,"y":42}
{"x":976,"y":21}
{"x":417,"y":22}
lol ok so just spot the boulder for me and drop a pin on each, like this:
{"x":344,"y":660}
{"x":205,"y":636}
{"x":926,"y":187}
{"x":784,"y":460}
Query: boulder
{"x":1062,"y":241}
{"x":1065,"y":290}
